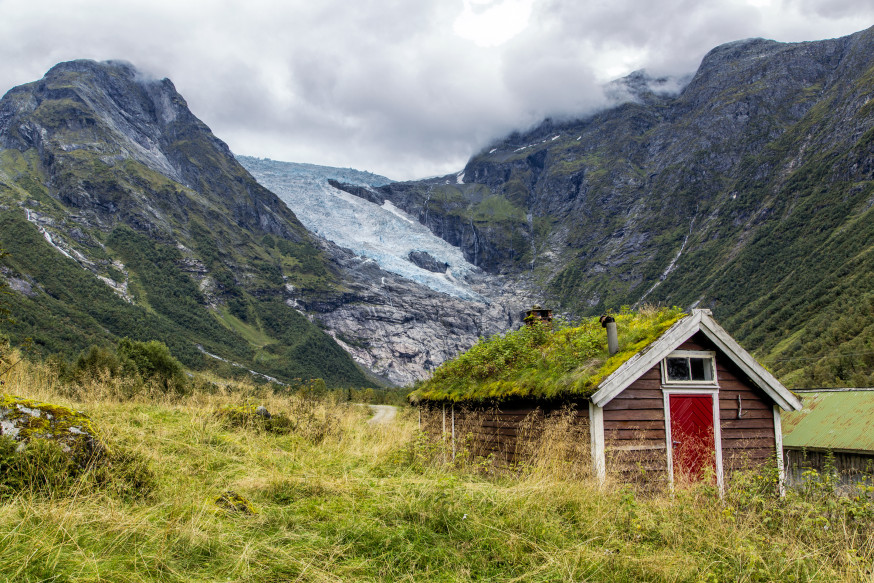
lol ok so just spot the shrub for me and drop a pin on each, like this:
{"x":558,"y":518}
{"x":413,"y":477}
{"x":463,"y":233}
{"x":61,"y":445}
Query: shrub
{"x":153,"y":362}
{"x":94,"y":363}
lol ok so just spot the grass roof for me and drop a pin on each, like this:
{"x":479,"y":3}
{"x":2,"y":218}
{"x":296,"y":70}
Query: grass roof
{"x":542,"y":361}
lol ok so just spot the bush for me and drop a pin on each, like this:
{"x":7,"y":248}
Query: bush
{"x":141,"y":362}
{"x":247,"y":416}
{"x":96,"y":362}
{"x":153,"y":362}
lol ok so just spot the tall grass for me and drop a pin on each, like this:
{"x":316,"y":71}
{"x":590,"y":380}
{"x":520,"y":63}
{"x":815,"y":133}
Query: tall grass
{"x":361,"y":502}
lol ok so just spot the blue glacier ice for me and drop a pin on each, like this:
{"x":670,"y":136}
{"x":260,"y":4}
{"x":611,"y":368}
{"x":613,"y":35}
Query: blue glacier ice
{"x":385,"y":234}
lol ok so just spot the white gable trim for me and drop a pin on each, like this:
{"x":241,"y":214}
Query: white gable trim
{"x":700,"y":320}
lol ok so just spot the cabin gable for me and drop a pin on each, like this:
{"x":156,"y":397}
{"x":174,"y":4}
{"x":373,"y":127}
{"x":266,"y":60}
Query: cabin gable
{"x":637,"y":420}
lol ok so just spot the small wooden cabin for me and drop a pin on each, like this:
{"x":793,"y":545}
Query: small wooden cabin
{"x":833,"y":432}
{"x":686,"y":400}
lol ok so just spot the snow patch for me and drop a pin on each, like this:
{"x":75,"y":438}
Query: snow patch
{"x":459,"y":179}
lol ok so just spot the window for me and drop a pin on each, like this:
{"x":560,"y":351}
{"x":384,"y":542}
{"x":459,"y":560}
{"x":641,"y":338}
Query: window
{"x":689,"y":367}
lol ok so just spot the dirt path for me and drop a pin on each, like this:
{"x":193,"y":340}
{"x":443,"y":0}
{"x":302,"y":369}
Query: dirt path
{"x":382,"y":413}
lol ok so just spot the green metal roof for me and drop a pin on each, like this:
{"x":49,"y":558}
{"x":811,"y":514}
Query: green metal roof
{"x":837,"y":419}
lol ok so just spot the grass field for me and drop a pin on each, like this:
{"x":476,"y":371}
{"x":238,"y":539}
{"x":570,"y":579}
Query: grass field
{"x":337,"y":499}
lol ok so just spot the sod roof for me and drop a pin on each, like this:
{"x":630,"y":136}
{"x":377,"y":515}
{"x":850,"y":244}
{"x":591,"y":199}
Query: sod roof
{"x":540,"y":361}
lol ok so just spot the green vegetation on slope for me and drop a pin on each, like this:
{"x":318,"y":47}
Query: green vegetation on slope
{"x":71,"y":310}
{"x":183,"y":231}
{"x":539,"y":361}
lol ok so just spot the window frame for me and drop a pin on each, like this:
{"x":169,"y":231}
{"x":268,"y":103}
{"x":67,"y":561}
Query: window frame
{"x":704,"y":354}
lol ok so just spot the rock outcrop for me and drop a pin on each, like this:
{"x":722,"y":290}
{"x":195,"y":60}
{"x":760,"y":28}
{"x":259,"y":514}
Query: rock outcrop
{"x":26,"y":419}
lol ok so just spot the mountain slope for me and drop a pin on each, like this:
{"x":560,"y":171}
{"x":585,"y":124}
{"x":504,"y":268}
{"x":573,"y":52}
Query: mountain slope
{"x":750,"y":192}
{"x":125,"y":216}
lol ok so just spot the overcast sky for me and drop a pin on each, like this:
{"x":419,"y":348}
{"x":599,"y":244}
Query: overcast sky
{"x":403,"y":88}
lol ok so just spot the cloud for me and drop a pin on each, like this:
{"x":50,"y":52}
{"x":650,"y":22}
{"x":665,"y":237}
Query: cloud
{"x":391,"y":86}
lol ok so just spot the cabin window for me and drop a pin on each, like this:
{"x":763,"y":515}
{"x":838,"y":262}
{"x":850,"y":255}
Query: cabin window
{"x":689,"y":367}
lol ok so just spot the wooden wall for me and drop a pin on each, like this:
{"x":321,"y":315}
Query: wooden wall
{"x":634,"y":430}
{"x":851,"y":468}
{"x":511,"y":434}
{"x":634,"y":421}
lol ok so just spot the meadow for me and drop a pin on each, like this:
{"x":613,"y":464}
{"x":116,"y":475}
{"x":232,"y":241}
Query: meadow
{"x":207,"y":496}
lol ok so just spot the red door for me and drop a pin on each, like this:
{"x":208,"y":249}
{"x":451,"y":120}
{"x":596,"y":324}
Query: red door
{"x":692,"y":435}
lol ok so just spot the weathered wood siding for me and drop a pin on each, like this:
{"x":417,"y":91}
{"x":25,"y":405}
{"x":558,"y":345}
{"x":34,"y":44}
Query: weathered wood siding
{"x":516,"y":433}
{"x":634,"y":430}
{"x":851,"y":468}
{"x":431,"y":419}
{"x":634,"y":421}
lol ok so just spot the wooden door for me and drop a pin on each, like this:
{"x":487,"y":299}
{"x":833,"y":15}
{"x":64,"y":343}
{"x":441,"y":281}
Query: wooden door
{"x":692,"y":437}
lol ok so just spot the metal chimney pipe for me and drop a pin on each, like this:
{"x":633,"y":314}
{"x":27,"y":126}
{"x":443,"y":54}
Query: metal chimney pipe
{"x":612,"y":336}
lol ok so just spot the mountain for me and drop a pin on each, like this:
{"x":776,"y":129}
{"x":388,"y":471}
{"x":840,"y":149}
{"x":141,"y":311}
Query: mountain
{"x":125,"y":216}
{"x":749,"y":191}
{"x":410,"y":299}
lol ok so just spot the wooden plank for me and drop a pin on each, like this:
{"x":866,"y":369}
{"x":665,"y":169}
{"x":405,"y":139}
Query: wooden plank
{"x":750,"y":434}
{"x":620,"y":403}
{"x":748,"y":443}
{"x":636,"y":468}
{"x":734,"y":388}
{"x":726,"y":414}
{"x":639,"y":447}
{"x":632,"y":424}
{"x":697,"y":341}
{"x":651,"y":435}
{"x":744,"y":424}
{"x":634,"y":415}
{"x":753,"y":454}
{"x":636,"y":392}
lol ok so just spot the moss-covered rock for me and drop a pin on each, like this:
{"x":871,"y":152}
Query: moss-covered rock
{"x":258,"y":417}
{"x":25,"y":420}
{"x":230,"y":501}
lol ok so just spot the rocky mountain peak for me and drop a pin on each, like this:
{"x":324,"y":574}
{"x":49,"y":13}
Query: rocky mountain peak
{"x":111,"y":113}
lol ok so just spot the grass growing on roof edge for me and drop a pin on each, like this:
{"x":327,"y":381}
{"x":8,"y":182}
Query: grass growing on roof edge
{"x":544,"y":362}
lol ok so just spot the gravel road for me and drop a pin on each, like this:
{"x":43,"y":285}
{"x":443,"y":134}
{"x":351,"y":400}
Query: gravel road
{"x":382,"y":413}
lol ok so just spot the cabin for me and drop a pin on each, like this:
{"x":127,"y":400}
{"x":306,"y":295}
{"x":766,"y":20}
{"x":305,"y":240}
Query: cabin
{"x":834,"y":432}
{"x":657,"y":396}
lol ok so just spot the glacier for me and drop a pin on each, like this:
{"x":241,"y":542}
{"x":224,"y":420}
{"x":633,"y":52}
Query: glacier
{"x":384,"y":234}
